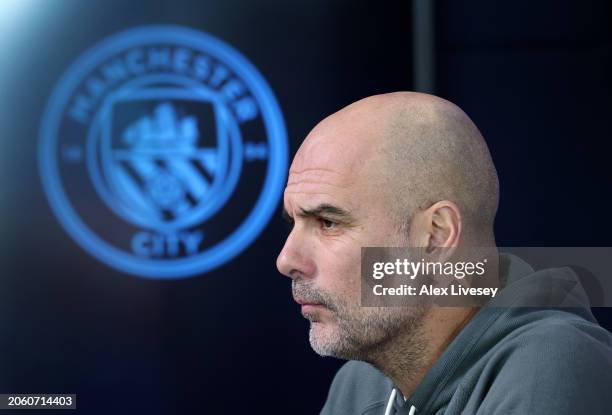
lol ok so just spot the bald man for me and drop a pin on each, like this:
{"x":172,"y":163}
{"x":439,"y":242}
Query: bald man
{"x":409,"y":169}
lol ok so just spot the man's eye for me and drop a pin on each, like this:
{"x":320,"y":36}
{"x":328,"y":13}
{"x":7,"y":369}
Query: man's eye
{"x":327,"y":224}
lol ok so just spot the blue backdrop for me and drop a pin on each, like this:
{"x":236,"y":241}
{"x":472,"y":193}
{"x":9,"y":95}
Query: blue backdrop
{"x":534,"y":77}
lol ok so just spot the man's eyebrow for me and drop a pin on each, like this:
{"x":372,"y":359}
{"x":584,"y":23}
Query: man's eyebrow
{"x":326,"y":209}
{"x":321,"y":210}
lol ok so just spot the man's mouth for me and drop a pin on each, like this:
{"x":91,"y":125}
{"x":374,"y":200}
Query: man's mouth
{"x":308,"y":306}
{"x":304,"y":302}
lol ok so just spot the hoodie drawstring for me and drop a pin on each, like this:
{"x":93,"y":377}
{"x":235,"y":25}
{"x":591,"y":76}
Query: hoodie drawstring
{"x":390,"y":404}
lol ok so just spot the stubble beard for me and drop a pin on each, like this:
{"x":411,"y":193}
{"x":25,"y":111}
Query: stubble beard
{"x":372,"y":334}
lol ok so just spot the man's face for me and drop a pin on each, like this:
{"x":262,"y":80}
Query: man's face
{"x":336,"y":206}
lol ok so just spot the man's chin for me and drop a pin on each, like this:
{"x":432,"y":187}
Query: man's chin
{"x":323,"y":339}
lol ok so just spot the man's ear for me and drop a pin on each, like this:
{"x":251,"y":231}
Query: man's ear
{"x":438,"y":226}
{"x":445,"y":228}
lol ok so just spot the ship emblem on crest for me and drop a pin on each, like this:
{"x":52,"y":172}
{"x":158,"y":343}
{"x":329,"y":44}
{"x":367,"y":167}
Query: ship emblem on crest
{"x":163,"y":152}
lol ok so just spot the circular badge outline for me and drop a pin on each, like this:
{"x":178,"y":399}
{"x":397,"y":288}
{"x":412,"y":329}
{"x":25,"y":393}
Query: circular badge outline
{"x":244,"y":234}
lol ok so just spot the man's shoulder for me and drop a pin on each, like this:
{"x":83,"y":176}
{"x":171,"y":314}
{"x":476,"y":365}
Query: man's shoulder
{"x":559,"y":334}
{"x":357,"y":388}
{"x":555,"y":343}
{"x":546,"y":359}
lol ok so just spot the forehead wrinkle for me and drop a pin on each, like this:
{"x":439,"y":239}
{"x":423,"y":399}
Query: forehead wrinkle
{"x":314,"y":175}
{"x":307,"y":190}
{"x":298,"y":182}
{"x":312,"y":169}
{"x":318,"y":177}
{"x":315,"y":186}
{"x":312,"y":189}
{"x":297,"y":192}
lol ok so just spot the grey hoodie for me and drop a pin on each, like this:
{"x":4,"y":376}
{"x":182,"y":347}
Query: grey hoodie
{"x":506,"y":360}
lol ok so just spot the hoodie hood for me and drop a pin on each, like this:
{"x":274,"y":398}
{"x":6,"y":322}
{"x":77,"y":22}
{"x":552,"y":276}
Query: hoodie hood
{"x":526,"y":297}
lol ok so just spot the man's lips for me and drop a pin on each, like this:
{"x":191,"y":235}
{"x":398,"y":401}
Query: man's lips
{"x":308,"y":306}
{"x":306,"y":302}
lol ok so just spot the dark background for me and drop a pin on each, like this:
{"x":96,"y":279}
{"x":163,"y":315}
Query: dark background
{"x":535,"y":76}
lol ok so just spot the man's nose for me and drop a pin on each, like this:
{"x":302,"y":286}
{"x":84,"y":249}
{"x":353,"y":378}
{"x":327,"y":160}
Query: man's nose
{"x":295,"y":259}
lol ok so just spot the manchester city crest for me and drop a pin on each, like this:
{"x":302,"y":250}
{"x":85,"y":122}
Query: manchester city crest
{"x":163,"y":152}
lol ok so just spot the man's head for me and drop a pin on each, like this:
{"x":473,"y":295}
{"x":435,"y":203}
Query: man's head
{"x":401,"y":169}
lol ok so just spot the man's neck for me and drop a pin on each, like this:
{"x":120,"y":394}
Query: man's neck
{"x":407,"y":360}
